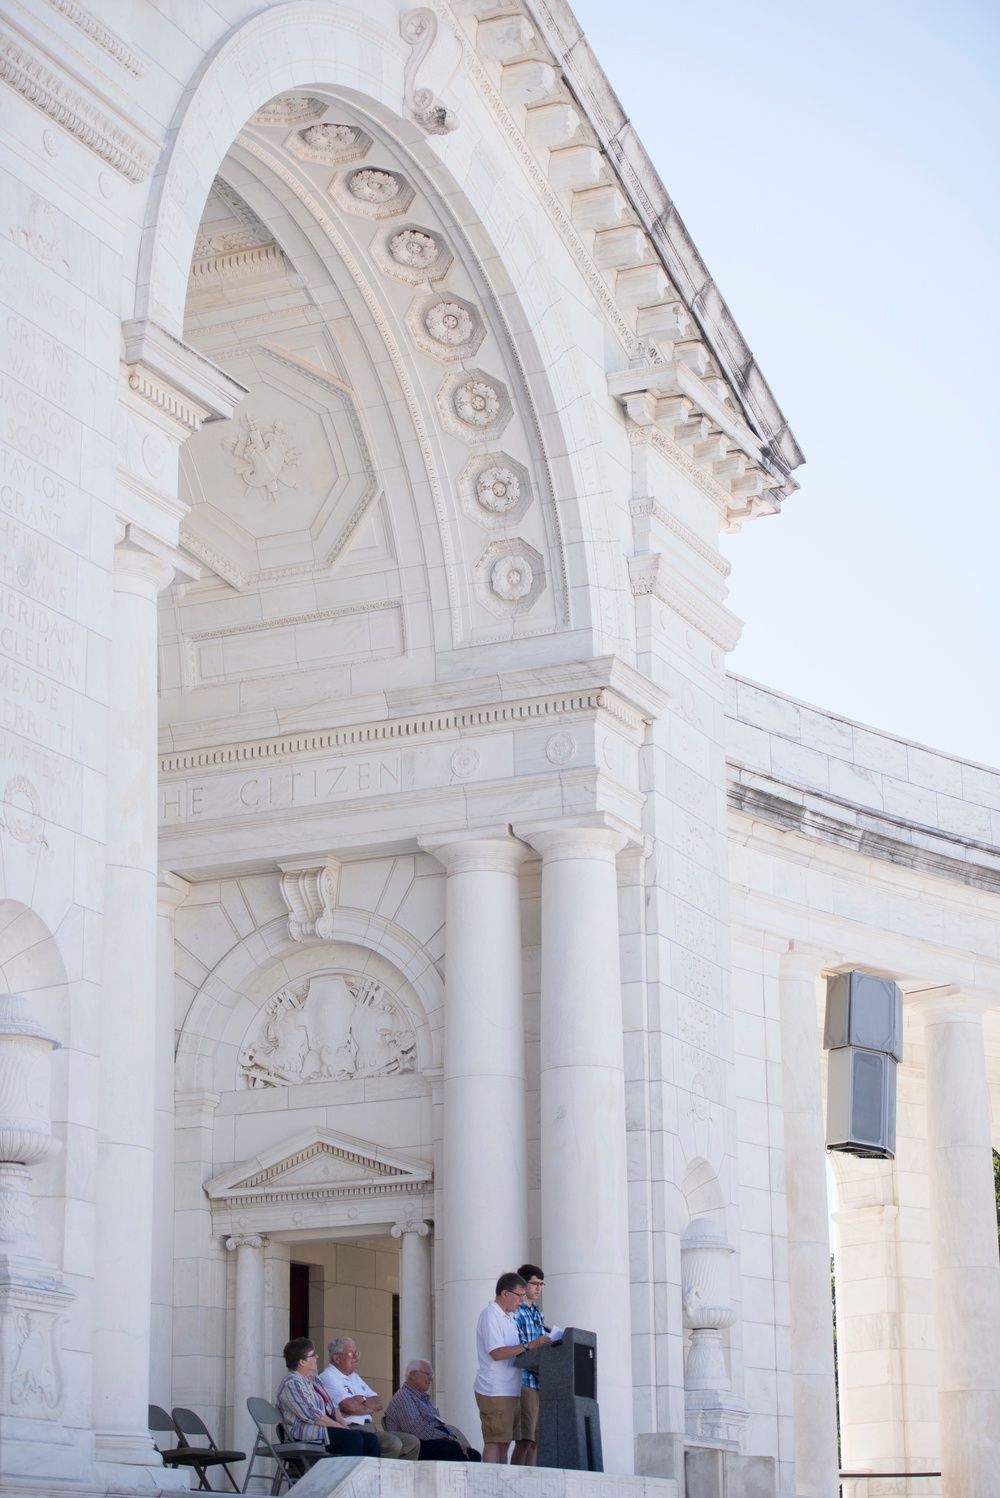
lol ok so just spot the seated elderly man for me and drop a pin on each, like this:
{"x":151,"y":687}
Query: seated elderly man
{"x":357,"y":1403}
{"x":410,"y":1409}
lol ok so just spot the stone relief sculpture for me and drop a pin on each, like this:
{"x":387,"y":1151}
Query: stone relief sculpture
{"x":263,"y":458}
{"x":333,"y":1027}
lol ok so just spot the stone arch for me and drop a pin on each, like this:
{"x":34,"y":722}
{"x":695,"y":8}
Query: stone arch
{"x":360,"y":56}
{"x":260,"y":965}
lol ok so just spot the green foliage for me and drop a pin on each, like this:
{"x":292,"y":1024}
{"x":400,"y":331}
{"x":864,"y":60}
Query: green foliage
{"x":996,"y":1186}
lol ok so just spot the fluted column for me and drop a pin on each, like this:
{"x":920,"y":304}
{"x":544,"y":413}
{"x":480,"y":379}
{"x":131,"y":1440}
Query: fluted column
{"x":248,"y":1360}
{"x":415,"y":1328}
{"x":963,"y":1240}
{"x":814,"y":1392}
{"x":123,"y":1259}
{"x":484,"y":1157}
{"x":584,"y":1180}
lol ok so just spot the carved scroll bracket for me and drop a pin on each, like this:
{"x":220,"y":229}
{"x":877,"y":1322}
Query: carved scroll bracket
{"x":310,"y":892}
{"x":421,"y":29}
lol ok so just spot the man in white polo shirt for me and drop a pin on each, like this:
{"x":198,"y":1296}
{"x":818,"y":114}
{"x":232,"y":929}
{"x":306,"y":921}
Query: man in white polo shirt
{"x":498,"y":1382}
{"x":358,"y":1403}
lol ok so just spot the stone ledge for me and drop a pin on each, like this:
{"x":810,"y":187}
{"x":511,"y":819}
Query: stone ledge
{"x":878,"y":834}
{"x":365,"y":1477}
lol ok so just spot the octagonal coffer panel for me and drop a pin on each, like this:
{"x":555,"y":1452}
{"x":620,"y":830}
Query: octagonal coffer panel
{"x":495,"y":490}
{"x":446,"y":326}
{"x":474,"y":405}
{"x":277,"y":492}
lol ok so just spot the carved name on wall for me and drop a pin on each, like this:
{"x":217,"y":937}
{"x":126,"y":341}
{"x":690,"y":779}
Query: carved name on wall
{"x":334,"y":1027}
{"x":254,"y":792}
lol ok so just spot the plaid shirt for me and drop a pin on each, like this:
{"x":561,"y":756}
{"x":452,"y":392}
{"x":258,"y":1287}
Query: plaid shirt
{"x":300,"y":1400}
{"x":529,"y":1326}
{"x":410,"y":1411}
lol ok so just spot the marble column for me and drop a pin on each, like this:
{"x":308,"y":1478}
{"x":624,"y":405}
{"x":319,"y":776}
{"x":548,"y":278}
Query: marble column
{"x":124,"y":1247}
{"x":484,"y":1157}
{"x":248,"y":1359}
{"x":583,"y":1164}
{"x":170,"y":893}
{"x":814,"y":1394}
{"x":965,"y":1263}
{"x":415,"y":1328}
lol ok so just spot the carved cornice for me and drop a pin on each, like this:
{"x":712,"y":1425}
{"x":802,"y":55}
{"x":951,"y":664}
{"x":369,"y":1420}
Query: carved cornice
{"x":237,"y":265}
{"x":30,"y":76}
{"x":175,"y":378}
{"x":649,"y":578}
{"x":406,"y":729}
{"x":101,"y":36}
{"x":647,"y":505}
{"x":877,"y":834}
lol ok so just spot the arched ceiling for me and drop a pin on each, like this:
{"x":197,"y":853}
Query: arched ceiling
{"x":383,"y":493}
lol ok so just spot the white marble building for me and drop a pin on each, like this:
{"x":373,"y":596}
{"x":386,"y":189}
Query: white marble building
{"x":358,"y":369}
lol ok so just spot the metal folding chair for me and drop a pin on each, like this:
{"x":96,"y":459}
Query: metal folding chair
{"x":190,"y":1424}
{"x":291,"y":1458}
{"x":173,"y":1456}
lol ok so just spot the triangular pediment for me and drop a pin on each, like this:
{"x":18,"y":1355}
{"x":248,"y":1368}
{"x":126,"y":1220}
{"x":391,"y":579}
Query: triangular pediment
{"x":319,"y":1163}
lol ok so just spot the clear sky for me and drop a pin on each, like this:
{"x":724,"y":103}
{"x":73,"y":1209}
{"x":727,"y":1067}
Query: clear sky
{"x":836,"y":165}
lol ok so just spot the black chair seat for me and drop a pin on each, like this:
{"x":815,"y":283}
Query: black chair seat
{"x":201,"y":1456}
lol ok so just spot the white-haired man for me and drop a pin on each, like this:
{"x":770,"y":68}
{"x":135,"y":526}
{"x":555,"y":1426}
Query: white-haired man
{"x":358,"y":1403}
{"x":410,"y":1410}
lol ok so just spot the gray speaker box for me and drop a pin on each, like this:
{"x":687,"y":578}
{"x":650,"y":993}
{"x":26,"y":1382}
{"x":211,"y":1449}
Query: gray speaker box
{"x":864,"y":1036}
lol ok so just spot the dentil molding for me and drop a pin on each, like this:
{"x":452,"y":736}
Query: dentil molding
{"x":34,"y":78}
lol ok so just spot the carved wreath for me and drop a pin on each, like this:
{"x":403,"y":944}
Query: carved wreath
{"x":333,"y":1027}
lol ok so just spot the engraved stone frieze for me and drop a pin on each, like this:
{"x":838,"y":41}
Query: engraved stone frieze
{"x":412,"y":254}
{"x":333,"y":1027}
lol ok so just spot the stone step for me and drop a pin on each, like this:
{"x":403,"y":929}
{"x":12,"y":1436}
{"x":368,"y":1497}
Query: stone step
{"x":366,"y":1477}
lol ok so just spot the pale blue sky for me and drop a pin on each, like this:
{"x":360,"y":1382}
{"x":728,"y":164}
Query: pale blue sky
{"x":836,"y":165}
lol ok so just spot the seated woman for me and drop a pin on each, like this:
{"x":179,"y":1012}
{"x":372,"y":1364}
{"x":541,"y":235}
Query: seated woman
{"x":309,"y":1412}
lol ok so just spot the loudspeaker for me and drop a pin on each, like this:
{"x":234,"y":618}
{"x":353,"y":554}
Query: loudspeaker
{"x":861,"y":1103}
{"x":864,"y":1034}
{"x":866,"y":1011}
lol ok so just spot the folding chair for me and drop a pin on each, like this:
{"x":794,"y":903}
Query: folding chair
{"x":291,"y":1458}
{"x":174,"y":1456}
{"x":190,"y":1424}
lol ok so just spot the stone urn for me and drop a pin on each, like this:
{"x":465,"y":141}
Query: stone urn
{"x":712,"y":1416}
{"x":25,"y":1137}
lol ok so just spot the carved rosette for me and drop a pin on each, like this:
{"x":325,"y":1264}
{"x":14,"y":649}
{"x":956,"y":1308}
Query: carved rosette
{"x":445,"y":327}
{"x":412,"y":254}
{"x":495,"y":490}
{"x":329,"y":142}
{"x":510,"y":575}
{"x":374,"y":191}
{"x":474,"y":405}
{"x":287,"y":108}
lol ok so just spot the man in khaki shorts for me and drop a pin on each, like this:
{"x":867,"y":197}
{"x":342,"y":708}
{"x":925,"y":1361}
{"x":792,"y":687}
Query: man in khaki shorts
{"x":528,"y":1318}
{"x":498,"y":1382}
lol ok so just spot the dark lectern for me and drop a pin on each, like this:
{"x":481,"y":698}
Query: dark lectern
{"x":569,"y":1422}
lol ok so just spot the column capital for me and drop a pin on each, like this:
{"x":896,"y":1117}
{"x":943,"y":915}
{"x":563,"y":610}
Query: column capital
{"x":557,"y":841}
{"x":486,"y":851}
{"x":799,"y":960}
{"x":421,"y":1229}
{"x":171,"y":891}
{"x":946,"y":1003}
{"x":247,"y":1240}
{"x":145,"y":565}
